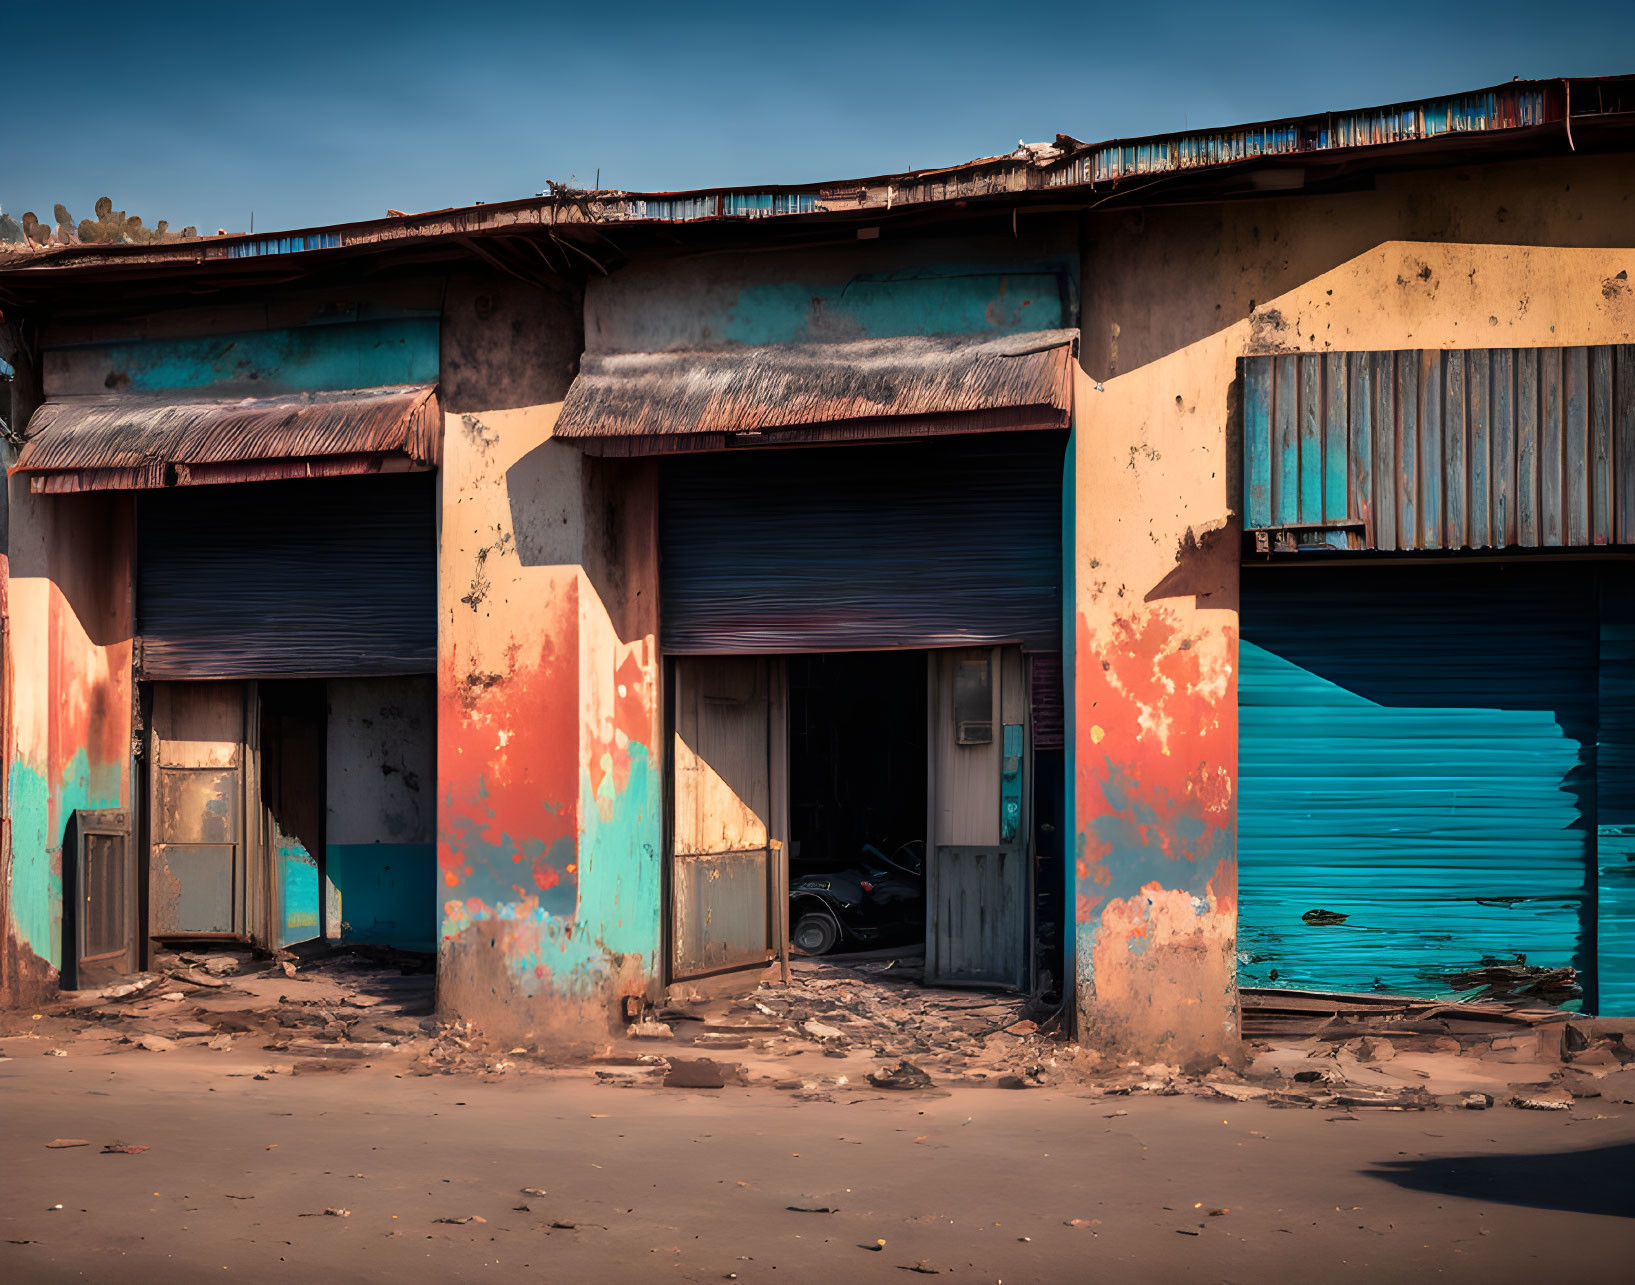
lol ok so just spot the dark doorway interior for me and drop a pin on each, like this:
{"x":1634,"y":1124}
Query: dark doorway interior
{"x":857,"y":800}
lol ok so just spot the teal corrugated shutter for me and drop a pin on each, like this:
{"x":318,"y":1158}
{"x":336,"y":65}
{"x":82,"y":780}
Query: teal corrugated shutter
{"x":1418,"y":754}
{"x":1615,"y":799}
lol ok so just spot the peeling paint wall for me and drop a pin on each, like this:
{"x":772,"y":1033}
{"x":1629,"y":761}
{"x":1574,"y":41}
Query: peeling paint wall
{"x":548,"y":822}
{"x":69,"y":597}
{"x":870,"y":290}
{"x":1510,"y":254}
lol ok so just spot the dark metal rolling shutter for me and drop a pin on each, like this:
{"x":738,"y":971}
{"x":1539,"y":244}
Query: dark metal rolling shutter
{"x":1417,"y":753}
{"x":844,"y":548}
{"x":331,"y":577}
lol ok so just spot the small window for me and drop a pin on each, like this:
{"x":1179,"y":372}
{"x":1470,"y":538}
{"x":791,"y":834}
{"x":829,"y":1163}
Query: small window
{"x":973,"y":701}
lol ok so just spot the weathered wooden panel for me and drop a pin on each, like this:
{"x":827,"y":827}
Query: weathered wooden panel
{"x":1505,"y":527}
{"x":1311,"y":440}
{"x":1257,"y":440}
{"x":1336,"y":393}
{"x":1527,"y":464}
{"x":1576,"y":438}
{"x":725,"y":869}
{"x":1384,"y":499}
{"x":1456,"y":450}
{"x":1624,"y":442}
{"x":1361,"y":469}
{"x":723,"y":792}
{"x":1479,"y":430}
{"x":1600,"y":446}
{"x":1428,"y":449}
{"x":196,"y":862}
{"x":1432,"y":478}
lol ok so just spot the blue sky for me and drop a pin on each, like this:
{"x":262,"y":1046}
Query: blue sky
{"x":324,"y":113}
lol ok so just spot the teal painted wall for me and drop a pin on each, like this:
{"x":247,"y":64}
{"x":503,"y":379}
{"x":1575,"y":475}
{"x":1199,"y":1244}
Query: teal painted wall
{"x":947,"y":299}
{"x":388,"y":892}
{"x":356,"y":354}
{"x":878,"y":291}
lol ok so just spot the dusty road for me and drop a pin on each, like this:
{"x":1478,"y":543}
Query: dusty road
{"x":664,"y":1184}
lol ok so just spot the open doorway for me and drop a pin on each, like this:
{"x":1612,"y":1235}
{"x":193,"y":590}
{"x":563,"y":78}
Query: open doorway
{"x":857,"y":801}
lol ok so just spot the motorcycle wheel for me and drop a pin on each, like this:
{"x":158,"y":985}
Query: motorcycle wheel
{"x":814,"y":935}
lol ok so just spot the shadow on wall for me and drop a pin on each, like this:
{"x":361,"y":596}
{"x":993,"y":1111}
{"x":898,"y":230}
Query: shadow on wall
{"x":1598,"y":1181}
{"x":1165,"y":278}
{"x":572,"y":509}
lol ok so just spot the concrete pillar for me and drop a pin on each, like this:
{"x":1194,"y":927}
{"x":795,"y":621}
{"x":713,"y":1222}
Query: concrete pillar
{"x":548,"y":822}
{"x":1154,"y":739}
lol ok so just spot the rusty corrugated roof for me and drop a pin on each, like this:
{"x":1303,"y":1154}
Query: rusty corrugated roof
{"x":125,"y":443}
{"x":1516,"y":111}
{"x":909,"y":386}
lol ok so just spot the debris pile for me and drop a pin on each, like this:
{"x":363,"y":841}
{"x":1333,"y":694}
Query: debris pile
{"x":321,"y":1003}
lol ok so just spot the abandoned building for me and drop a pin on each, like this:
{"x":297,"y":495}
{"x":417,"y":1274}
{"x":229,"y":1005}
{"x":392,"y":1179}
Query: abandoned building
{"x":1202,"y":560}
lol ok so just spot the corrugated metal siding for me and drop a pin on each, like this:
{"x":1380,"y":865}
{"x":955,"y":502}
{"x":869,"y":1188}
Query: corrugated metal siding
{"x":1418,"y":753}
{"x":292,"y":579}
{"x":1486,"y":448}
{"x":846,"y":548}
{"x":1615,"y":811}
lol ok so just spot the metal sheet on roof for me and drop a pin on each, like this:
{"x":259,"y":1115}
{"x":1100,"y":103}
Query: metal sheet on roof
{"x":125,"y":443}
{"x":900,"y":387}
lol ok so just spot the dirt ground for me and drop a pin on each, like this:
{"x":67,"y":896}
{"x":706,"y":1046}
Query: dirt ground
{"x":974,"y":1183}
{"x":310,"y":1115}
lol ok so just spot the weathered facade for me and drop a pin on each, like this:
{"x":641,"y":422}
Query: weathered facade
{"x":1145,"y":461}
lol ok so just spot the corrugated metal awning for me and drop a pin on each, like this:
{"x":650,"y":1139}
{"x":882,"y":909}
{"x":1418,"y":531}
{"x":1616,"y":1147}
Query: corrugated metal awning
{"x":130,"y":443}
{"x":779,"y":394}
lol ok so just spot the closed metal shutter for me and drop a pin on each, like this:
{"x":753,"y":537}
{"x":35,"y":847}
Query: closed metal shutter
{"x":291,"y":579}
{"x":948,"y":543}
{"x":1418,"y":754}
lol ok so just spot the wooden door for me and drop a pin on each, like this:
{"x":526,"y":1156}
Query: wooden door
{"x":979,"y":885}
{"x":197,"y":868}
{"x":730,"y":760}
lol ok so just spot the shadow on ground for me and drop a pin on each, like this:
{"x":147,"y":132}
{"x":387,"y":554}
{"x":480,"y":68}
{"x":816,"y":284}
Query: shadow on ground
{"x":1598,"y":1181}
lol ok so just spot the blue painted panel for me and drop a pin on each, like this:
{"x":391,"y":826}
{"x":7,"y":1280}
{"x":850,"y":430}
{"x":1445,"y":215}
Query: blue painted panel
{"x":298,"y":901}
{"x":953,"y":299}
{"x":362,"y":354}
{"x":387,"y":891}
{"x":1416,"y":753}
